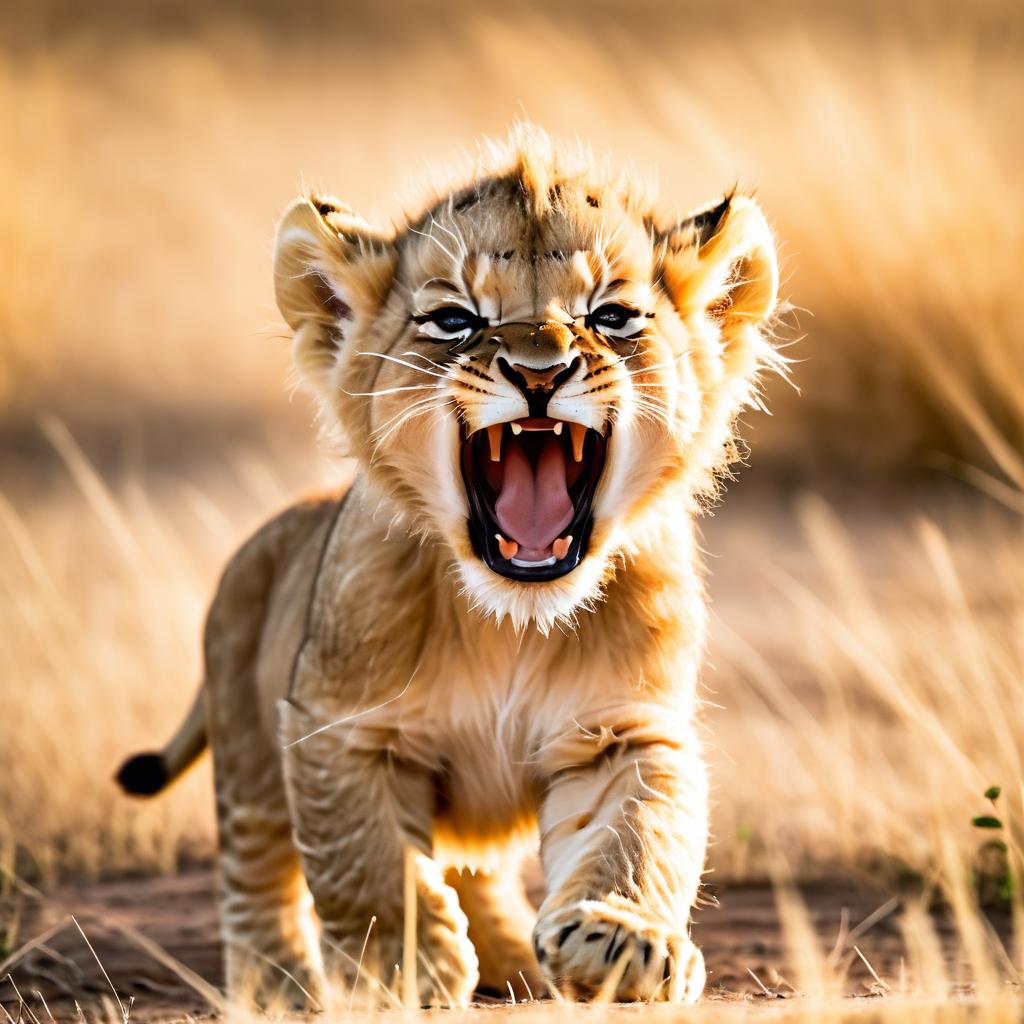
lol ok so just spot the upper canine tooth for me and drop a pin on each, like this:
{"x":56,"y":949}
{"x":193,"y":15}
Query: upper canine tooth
{"x":557,"y":428}
{"x":494,"y":439}
{"x":516,"y":428}
{"x":579,"y":435}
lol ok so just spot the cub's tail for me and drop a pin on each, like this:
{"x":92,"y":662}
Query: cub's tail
{"x":147,"y":774}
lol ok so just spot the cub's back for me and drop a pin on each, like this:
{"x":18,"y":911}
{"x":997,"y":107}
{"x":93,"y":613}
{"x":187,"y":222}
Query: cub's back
{"x":258,"y":616}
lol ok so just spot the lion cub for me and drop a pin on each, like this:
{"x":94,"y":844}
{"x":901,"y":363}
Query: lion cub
{"x":495,"y":633}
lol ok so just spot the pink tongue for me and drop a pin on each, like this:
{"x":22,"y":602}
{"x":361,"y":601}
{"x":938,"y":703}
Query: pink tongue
{"x":534,"y":510}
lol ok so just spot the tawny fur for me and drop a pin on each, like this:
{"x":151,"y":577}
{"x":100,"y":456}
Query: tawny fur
{"x":373,"y":687}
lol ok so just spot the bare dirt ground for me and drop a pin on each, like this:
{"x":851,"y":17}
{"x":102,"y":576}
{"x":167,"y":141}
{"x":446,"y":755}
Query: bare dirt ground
{"x":741,"y":938}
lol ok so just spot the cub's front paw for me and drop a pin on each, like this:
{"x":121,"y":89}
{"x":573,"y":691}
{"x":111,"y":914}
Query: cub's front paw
{"x":446,"y":972}
{"x":371,"y":964}
{"x":447,"y":969}
{"x":579,"y":946}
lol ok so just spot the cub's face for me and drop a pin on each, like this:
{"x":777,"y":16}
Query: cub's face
{"x":532,"y":368}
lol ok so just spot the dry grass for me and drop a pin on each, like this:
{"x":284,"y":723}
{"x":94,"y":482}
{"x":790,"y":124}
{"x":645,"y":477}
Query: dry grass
{"x":148,"y":167}
{"x":1003,"y":1009}
{"x":868,"y":653}
{"x":867,"y":676}
{"x":102,"y":593}
{"x":870,"y":683}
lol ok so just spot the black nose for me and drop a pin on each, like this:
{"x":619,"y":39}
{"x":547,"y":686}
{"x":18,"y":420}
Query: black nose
{"x":536,"y":385}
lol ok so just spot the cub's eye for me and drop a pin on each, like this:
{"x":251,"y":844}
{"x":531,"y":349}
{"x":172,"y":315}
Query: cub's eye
{"x":611,"y":317}
{"x":450,"y":321}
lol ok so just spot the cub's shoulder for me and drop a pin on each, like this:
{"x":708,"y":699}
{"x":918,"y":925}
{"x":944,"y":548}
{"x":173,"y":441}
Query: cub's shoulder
{"x":296,"y":534}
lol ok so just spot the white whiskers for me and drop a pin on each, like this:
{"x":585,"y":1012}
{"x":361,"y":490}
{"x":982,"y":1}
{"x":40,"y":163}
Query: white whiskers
{"x":401,"y":418}
{"x":405,"y":363}
{"x":391,"y":391}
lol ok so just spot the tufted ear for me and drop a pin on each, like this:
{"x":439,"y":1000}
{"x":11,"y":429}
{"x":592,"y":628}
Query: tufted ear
{"x":332,"y":270}
{"x":719,"y":267}
{"x":720,"y":261}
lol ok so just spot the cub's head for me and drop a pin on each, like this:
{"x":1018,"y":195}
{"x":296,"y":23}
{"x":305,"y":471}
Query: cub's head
{"x":534,"y":366}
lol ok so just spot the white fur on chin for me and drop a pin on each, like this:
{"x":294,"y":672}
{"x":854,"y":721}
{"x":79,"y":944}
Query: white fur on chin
{"x":545,"y":605}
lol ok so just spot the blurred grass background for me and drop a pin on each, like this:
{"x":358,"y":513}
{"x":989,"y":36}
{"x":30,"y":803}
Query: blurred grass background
{"x":868,"y":656}
{"x":150,"y":147}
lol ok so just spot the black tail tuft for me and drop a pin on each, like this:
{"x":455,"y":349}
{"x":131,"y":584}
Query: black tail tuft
{"x":143,"y":775}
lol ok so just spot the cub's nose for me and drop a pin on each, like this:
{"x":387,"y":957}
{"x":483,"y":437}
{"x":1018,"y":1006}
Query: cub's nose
{"x":537,"y":385}
{"x":538,"y":358}
{"x":546,"y":379}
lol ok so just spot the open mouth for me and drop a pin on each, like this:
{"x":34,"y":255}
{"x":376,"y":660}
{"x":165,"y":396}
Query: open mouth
{"x":531,"y":487}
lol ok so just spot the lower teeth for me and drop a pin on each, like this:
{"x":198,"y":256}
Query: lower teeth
{"x":522,"y":564}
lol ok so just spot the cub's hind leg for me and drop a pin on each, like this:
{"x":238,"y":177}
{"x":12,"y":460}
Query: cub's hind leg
{"x":266,"y":919}
{"x":267,"y":926}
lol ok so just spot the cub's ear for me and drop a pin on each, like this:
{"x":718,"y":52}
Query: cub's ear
{"x":332,"y":271}
{"x":720,"y":261}
{"x":720,"y":270}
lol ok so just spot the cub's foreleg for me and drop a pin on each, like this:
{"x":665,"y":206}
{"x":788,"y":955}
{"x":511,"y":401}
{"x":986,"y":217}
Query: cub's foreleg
{"x":622,"y":841}
{"x":356,"y":812}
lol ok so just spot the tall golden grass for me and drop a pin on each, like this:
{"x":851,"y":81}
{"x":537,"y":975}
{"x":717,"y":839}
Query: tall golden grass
{"x":867,"y":675}
{"x":870,"y":677}
{"x":145,"y":168}
{"x":867,"y":658}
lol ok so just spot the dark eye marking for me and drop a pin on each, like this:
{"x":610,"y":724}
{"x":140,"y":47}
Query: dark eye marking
{"x":612,"y":316}
{"x":452,"y":319}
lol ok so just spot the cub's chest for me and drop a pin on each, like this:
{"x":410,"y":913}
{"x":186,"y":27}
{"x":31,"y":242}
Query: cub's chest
{"x":488,"y":783}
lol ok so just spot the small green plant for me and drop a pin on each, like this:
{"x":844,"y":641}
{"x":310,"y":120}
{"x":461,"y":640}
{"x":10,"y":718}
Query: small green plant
{"x":993,"y":875}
